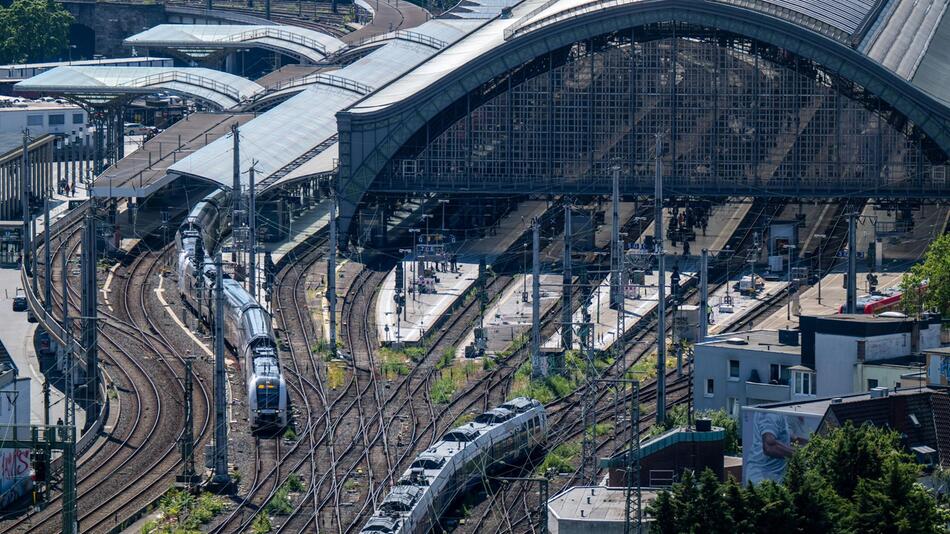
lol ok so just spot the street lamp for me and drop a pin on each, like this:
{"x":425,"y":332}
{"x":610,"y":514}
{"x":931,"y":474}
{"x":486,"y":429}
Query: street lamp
{"x":821,"y":246}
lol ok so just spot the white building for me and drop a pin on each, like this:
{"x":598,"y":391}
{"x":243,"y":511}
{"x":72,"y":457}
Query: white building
{"x":828,"y":356}
{"x":41,"y":117}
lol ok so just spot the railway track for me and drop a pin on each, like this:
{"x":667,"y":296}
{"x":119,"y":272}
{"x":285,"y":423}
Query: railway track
{"x":136,"y":457}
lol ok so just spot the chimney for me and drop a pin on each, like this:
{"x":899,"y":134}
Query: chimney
{"x":915,"y":338}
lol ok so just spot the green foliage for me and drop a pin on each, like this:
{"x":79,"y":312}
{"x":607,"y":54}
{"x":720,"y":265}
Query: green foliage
{"x":280,"y":503}
{"x":935,"y":269}
{"x":852,"y":480}
{"x":446,"y":359}
{"x":33,"y":30}
{"x":393,"y":363}
{"x":678,"y":416}
{"x":183,"y":512}
{"x":562,"y":382}
{"x":560,"y":459}
{"x":912,"y":296}
{"x":261,"y":524}
{"x":442,"y":390}
{"x":290,"y":434}
{"x":599,"y":429}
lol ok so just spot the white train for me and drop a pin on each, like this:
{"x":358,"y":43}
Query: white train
{"x":499,"y":438}
{"x":247,"y":326}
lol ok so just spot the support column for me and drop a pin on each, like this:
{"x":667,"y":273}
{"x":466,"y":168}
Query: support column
{"x":704,"y":295}
{"x":221,"y":475}
{"x":616,"y":250}
{"x":661,"y":287}
{"x":331,"y":276}
{"x":25,"y":201}
{"x":567,"y":285}
{"x":539,"y":367}
{"x":852,"y":296}
{"x":89,"y":310}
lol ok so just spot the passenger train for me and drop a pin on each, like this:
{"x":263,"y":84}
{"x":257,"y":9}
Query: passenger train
{"x":247,"y":326}
{"x":504,"y":436}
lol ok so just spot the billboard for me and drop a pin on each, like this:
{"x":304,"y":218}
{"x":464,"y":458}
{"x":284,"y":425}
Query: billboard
{"x":770,"y":437}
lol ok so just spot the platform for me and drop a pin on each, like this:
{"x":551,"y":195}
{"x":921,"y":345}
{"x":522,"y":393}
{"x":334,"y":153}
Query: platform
{"x":639,"y":301}
{"x":722,"y":320}
{"x":143,"y":172}
{"x":833,"y":296}
{"x":509,"y":316}
{"x":424,"y":310}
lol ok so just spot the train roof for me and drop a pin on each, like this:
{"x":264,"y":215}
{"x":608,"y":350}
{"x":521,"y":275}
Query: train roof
{"x":402,"y":498}
{"x":382,"y":523}
{"x":520,"y":404}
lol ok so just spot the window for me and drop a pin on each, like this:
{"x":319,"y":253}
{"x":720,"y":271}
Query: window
{"x":805,"y":383}
{"x":779,"y":374}
{"x":732,"y":405}
{"x":710,"y":387}
{"x":77,"y":118}
{"x":733,"y":370}
{"x":57,"y":120}
{"x":872,"y":383}
{"x":862,"y":349}
{"x":34,"y":120}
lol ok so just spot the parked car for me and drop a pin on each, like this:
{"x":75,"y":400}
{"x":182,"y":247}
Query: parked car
{"x":19,"y":301}
{"x":137,"y":128}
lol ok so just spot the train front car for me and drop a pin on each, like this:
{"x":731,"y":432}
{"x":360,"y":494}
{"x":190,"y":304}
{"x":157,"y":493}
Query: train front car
{"x":266,"y":390}
{"x":498,"y":440}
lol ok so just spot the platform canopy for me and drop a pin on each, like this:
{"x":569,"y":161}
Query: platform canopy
{"x":202,"y":42}
{"x":99,"y":86}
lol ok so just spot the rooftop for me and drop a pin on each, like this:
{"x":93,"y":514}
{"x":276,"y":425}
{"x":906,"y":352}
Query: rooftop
{"x":594,"y":503}
{"x":820,"y":406}
{"x":758,"y":340}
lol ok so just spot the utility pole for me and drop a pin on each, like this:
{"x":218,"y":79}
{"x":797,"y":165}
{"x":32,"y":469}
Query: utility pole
{"x":188,"y":477}
{"x":539,"y":367}
{"x":64,"y":265}
{"x":48,"y":297}
{"x":704,"y":295}
{"x":661,"y":287}
{"x":331,"y":275}
{"x":788,"y":304}
{"x":33,"y":258}
{"x":70,"y":525}
{"x":89,"y":309}
{"x":25,"y":202}
{"x":252,"y":230}
{"x":852,"y":297}
{"x":632,"y":478}
{"x":567,"y":341}
{"x":235,"y":191}
{"x":616,"y":251}
{"x":221,"y":475}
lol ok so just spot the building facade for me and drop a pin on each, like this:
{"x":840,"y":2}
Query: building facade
{"x":828,"y":356}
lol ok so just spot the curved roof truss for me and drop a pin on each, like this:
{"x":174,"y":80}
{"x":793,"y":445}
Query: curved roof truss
{"x":99,"y":86}
{"x":386,"y":120}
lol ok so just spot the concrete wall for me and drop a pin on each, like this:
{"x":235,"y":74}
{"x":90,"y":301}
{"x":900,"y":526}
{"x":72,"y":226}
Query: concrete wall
{"x":14,"y":463}
{"x":113,"y":22}
{"x":836,"y":358}
{"x":712,"y":361}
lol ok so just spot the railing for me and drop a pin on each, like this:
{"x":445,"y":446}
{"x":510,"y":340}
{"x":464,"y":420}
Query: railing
{"x":188,"y":78}
{"x":281,"y":34}
{"x":404,"y":35}
{"x":323,"y":79}
{"x":522,"y":26}
{"x":511,"y":30}
{"x":49,"y":323}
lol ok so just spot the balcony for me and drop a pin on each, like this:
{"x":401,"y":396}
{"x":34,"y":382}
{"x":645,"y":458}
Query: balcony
{"x":767,"y":392}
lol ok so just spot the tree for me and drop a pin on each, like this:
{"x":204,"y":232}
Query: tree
{"x":935,"y":270}
{"x":33,"y":31}
{"x":848,"y":481}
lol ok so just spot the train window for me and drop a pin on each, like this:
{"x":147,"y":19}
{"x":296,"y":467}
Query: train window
{"x":492,"y":418}
{"x":428,"y":463}
{"x":462,"y":437}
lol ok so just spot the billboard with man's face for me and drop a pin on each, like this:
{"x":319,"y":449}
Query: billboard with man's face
{"x":769,"y":438}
